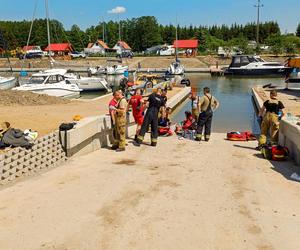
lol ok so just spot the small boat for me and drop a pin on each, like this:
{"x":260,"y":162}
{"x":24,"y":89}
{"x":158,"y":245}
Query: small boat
{"x":248,"y":65}
{"x":7,"y":82}
{"x":294,"y":77}
{"x":87,"y":83}
{"x":116,"y":70}
{"x":51,"y":82}
{"x":99,"y":70}
{"x":176,"y":68}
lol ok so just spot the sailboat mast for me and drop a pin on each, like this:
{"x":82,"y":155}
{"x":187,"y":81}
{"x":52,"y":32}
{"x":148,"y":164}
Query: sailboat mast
{"x":48,"y":30}
{"x":176,"y":39}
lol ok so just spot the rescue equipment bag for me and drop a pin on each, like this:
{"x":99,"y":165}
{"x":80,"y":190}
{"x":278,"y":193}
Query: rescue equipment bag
{"x":241,"y":136}
{"x":165,"y":131}
{"x":275,"y":153}
{"x":279,"y":153}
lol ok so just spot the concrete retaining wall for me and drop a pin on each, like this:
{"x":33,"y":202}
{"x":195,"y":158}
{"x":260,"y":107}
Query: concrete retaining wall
{"x":45,"y":154}
{"x":289,"y":133}
{"x":93,"y":133}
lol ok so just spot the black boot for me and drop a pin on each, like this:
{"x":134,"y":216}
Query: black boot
{"x":135,"y":137}
{"x":153,"y":144}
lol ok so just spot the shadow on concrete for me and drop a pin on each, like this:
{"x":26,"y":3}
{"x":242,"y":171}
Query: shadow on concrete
{"x":244,"y":147}
{"x":286,"y":169}
{"x":294,"y":92}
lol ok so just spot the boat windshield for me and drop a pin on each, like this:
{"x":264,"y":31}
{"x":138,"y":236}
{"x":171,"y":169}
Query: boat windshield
{"x":55,"y":79}
{"x":258,"y":59}
{"x":37,"y":80}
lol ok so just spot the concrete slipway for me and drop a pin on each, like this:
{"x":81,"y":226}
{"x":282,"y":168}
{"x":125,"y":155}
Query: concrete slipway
{"x":179,"y":195}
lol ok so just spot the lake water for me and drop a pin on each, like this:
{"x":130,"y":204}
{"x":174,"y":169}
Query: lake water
{"x":236,"y":111}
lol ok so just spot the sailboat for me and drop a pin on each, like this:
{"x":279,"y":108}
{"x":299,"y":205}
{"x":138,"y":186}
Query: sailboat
{"x":51,"y":82}
{"x":176,"y":68}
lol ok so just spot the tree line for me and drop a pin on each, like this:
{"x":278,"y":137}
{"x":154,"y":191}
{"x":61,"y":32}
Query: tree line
{"x":142,"y":33}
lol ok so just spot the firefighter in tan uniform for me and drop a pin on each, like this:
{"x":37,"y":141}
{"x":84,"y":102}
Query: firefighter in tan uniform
{"x":120,"y":119}
{"x":270,"y":121}
{"x":206,"y":106}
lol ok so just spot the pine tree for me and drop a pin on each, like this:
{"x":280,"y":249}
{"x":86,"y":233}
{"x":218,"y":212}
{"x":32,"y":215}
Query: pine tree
{"x":298,"y":30}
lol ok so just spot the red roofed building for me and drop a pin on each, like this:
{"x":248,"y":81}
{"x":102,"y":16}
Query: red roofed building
{"x":60,"y":49}
{"x":122,"y":46}
{"x":190,"y":46}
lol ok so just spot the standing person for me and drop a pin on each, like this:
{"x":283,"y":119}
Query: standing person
{"x":112,"y":106}
{"x":164,"y":97}
{"x":194,"y":102}
{"x":137,"y":104}
{"x":270,"y":122}
{"x":207,"y":105}
{"x":154,"y":104}
{"x":120,"y":120}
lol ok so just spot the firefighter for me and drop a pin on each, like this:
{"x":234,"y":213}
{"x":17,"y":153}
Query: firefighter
{"x":206,"y":106}
{"x":194,"y":104}
{"x":270,"y":121}
{"x":154,"y":104}
{"x":120,"y":123}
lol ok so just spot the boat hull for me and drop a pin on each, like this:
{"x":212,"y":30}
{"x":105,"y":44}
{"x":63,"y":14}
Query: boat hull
{"x":51,"y":91}
{"x":278,"y":72}
{"x":7,"y":83}
{"x":90,"y":84}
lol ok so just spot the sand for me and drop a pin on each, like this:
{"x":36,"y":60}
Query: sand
{"x":184,"y":198}
{"x":47,"y":118}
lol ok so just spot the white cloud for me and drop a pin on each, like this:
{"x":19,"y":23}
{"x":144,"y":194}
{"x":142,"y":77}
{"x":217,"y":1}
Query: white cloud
{"x":117,"y":10}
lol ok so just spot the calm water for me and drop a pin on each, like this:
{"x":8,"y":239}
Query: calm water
{"x":236,"y":111}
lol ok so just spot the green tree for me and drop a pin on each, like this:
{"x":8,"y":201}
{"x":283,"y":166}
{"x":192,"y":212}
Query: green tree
{"x":298,"y":30}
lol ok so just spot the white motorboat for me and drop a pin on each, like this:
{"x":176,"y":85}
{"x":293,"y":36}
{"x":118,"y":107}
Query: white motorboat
{"x":51,"y":82}
{"x":88,"y":83}
{"x":7,"y":82}
{"x":176,"y":68}
{"x":97,"y":70}
{"x":245,"y":65}
{"x":116,"y":70}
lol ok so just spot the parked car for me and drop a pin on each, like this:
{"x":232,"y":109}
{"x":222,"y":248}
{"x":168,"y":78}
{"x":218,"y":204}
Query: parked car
{"x":30,"y":55}
{"x":77,"y":54}
{"x":153,"y":50}
{"x":125,"y":54}
{"x":168,"y":50}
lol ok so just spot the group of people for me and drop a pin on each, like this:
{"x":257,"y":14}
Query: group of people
{"x":145,"y":113}
{"x":153,"y":112}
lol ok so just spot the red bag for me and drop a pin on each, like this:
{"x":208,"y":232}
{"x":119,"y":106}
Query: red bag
{"x":165,"y":131}
{"x":279,"y":153}
{"x":241,"y":136}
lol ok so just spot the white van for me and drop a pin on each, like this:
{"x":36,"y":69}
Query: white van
{"x":168,"y":50}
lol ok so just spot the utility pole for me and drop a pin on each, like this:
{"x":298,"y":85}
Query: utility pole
{"x":258,"y":6}
{"x":103,"y":30}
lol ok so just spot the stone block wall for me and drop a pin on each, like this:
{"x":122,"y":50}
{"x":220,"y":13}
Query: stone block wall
{"x":46,"y":153}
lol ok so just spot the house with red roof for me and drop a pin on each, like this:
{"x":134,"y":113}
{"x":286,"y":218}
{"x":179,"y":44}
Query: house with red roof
{"x":190,"y":46}
{"x":60,"y":49}
{"x":122,"y":46}
{"x":99,"y":47}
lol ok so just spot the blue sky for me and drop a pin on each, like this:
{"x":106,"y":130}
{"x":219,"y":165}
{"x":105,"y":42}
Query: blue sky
{"x":205,"y":12}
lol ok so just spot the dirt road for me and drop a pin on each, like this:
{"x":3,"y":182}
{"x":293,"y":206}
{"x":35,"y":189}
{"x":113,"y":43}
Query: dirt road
{"x":180,"y":195}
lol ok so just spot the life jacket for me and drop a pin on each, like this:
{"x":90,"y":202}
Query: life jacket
{"x":165,"y":131}
{"x":240,"y":136}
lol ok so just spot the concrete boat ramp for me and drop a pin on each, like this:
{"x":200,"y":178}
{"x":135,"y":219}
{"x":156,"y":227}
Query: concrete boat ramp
{"x":180,"y":195}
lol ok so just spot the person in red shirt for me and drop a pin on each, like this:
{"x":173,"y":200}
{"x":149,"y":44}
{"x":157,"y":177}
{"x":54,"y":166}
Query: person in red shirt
{"x":138,"y":108}
{"x":187,"y":124}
